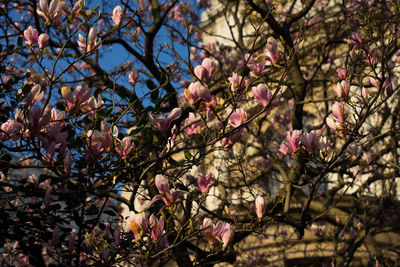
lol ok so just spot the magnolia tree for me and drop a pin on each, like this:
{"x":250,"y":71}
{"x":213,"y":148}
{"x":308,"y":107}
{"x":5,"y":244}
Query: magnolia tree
{"x":290,"y":117}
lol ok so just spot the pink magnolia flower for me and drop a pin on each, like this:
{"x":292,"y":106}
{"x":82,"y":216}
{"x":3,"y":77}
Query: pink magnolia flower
{"x":137,"y":223}
{"x":126,"y":147}
{"x":319,"y":228}
{"x":227,"y":235}
{"x":93,"y":105}
{"x":293,"y":138}
{"x":256,"y":65}
{"x":68,"y":161}
{"x":156,"y":227}
{"x":203,"y":93}
{"x":335,"y":125}
{"x":38,"y":78}
{"x":209,"y":65}
{"x":194,"y":124}
{"x":365,"y":93}
{"x":204,"y":181}
{"x":342,"y":90}
{"x":386,"y":86}
{"x":166,"y":195}
{"x":274,"y":56}
{"x":162,"y":183}
{"x":210,"y":114}
{"x":340,"y":112}
{"x":370,"y":59}
{"x":356,"y":39}
{"x":36,"y":94}
{"x":79,"y":99}
{"x":36,"y":121}
{"x":50,"y":152}
{"x":222,"y":232}
{"x":260,"y":206}
{"x":78,"y":6}
{"x":325,"y":146}
{"x":197,"y":91}
{"x":310,"y":142}
{"x":263,"y":94}
{"x":211,"y":231}
{"x":10,"y":129}
{"x":54,"y":137}
{"x":57,"y":117}
{"x":261,"y":163}
{"x":342,"y":73}
{"x":43,"y":40}
{"x":237,"y":117}
{"x":50,"y":13}
{"x":200,"y":72}
{"x":106,"y":135}
{"x":236,"y":120}
{"x":284,"y":149}
{"x":31,"y":36}
{"x":163,"y":124}
{"x":117,"y":15}
{"x":100,"y":141}
{"x":376,"y":83}
{"x":190,"y":94}
{"x":237,"y":82}
{"x":367,"y":157}
{"x":91,"y":43}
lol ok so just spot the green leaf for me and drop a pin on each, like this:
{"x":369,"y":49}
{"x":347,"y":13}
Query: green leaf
{"x":188,"y":156}
{"x":155,"y":139}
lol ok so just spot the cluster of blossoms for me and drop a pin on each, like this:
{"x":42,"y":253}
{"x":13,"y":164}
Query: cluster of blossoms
{"x":194,"y":124}
{"x":54,"y":12}
{"x":220,"y":232}
{"x":31,"y":37}
{"x":311,"y":142}
{"x":105,"y":140}
{"x":81,"y":99}
{"x":99,"y":141}
{"x":46,"y":124}
{"x":236,"y":120}
{"x":201,"y":111}
{"x":166,"y":195}
{"x":91,"y":43}
{"x":337,"y":121}
{"x":163,"y":124}
{"x":142,"y":226}
{"x":198,"y":91}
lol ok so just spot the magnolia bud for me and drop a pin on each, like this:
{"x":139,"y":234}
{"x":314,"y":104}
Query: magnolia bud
{"x":43,"y":40}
